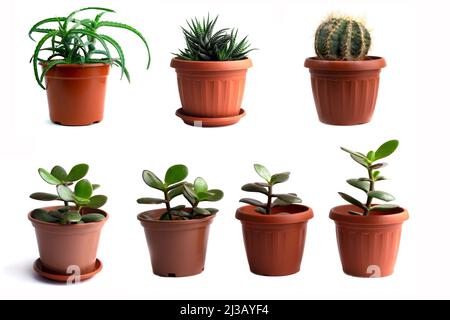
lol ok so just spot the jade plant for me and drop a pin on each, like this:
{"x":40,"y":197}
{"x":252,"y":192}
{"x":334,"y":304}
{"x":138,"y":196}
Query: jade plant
{"x":70,"y":40}
{"x":342,"y":38}
{"x":75,"y":200}
{"x":367,"y":184}
{"x":174,"y":186}
{"x":203,"y":44}
{"x":266,"y":188}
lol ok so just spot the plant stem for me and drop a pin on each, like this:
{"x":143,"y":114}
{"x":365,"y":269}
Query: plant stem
{"x":66,"y":203}
{"x":269,"y":200}
{"x":166,"y":197}
{"x":372,"y":188}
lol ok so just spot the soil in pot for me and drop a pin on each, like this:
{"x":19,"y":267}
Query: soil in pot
{"x":274,"y":243}
{"x":345,"y":92}
{"x":368,"y":245}
{"x":63,"y":246}
{"x":177,"y":247}
{"x":76,"y":93}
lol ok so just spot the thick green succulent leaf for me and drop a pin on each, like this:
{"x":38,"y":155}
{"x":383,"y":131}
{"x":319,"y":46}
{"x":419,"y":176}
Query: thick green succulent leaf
{"x":214,"y":195}
{"x":151,"y":201}
{"x":381,"y":195}
{"x":252,"y":187}
{"x":201,"y":212}
{"x":279,"y":203}
{"x":362,"y":185}
{"x":253,"y":202}
{"x":354,"y":153}
{"x":263,"y":172}
{"x":200,"y":185}
{"x":189,"y":194}
{"x":92,"y":217}
{"x":152,"y":180}
{"x":386,"y":149}
{"x":360,"y":160}
{"x":212,"y":210}
{"x":262,"y":184}
{"x":43,"y":215}
{"x":176,"y":192}
{"x":166,"y":216}
{"x":352,"y":200}
{"x":279,"y":178}
{"x":78,"y":172}
{"x":80,"y":201}
{"x":180,"y":207}
{"x":383,"y":207}
{"x":289,"y":198}
{"x":97,"y":201}
{"x":378,"y":166}
{"x":355,"y":213}
{"x":261,"y":210}
{"x":83,"y":189}
{"x":371,"y":156}
{"x":95,"y":186}
{"x":180,"y":213}
{"x":65,"y":193}
{"x":175,"y":174}
{"x":43,"y":196}
{"x":72,"y":217}
{"x":48,"y":177}
{"x":59,"y":173}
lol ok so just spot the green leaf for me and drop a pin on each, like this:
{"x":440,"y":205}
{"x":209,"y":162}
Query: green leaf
{"x":152,"y":180}
{"x":375,"y":174}
{"x":97,"y":201}
{"x":371,"y":156}
{"x":42,"y":196}
{"x":252,"y":187}
{"x":357,"y":183}
{"x":262,"y":184}
{"x":83,"y":189}
{"x":261,"y":210}
{"x":381,"y":195}
{"x":78,"y":172}
{"x":151,"y":201}
{"x":289,"y":198}
{"x":48,"y":177}
{"x":352,"y":200}
{"x":383,"y":207}
{"x":59,"y":173}
{"x":189,"y":193}
{"x":355,"y":213}
{"x":166,"y":216}
{"x":65,"y":193}
{"x":253,"y":202}
{"x":176,"y":173}
{"x":378,"y":166}
{"x":72,"y":217}
{"x":92,"y":217}
{"x":43,"y":215}
{"x":386,"y":149}
{"x":279,"y":178}
{"x":263,"y":172}
{"x":280,"y":203}
{"x":201,"y":212}
{"x":381,"y":178}
{"x":200,"y":185}
{"x":95,"y":186}
{"x":354,"y":153}
{"x":176,"y":192}
{"x":80,"y":201}
{"x":212,"y":210}
{"x":177,"y":208}
{"x":360,"y":160}
{"x":214,"y":195}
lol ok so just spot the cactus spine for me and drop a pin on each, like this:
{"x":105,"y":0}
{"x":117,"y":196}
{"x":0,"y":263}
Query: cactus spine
{"x":342,"y":39}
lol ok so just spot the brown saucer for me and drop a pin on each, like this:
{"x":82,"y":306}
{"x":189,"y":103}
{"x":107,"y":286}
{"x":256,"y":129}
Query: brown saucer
{"x":209,"y":122}
{"x":37,"y":267}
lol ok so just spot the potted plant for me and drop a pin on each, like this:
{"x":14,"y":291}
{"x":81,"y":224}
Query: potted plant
{"x":344,"y":78}
{"x":275,"y":230}
{"x":75,"y":59}
{"x":368,"y":234}
{"x":177,"y":236}
{"x":68,"y":234}
{"x":211,"y":74}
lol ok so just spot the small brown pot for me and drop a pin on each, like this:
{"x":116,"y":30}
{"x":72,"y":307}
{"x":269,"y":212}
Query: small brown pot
{"x":274,"y":243}
{"x":61,"y":246}
{"x":368,"y":245}
{"x":211,"y":89}
{"x":76,"y":93}
{"x":177,"y":247}
{"x":345,"y":92}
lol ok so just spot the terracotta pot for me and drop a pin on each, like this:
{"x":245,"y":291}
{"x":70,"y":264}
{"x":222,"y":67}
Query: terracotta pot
{"x":211,"y":89}
{"x":178,"y":247}
{"x":274,"y":243}
{"x":76,"y":93}
{"x":368,"y":245}
{"x":345,"y":92}
{"x":61,"y":246}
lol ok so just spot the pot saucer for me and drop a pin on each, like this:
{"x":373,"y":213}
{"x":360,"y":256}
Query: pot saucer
{"x":38,"y":268}
{"x":209,"y":122}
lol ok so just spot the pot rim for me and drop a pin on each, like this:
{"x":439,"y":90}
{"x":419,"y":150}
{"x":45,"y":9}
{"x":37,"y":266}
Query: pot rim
{"x":373,"y":63}
{"x":77,"y":65}
{"x":57,"y":225}
{"x":229,"y":65}
{"x":248,"y":214}
{"x":162,"y":222}
{"x":340,"y":215}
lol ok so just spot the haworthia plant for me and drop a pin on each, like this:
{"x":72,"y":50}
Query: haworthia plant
{"x":341,"y":38}
{"x":266,"y":188}
{"x":173,"y":186}
{"x":70,"y":40}
{"x":367,"y":184}
{"x":75,"y":199}
{"x":203,"y":44}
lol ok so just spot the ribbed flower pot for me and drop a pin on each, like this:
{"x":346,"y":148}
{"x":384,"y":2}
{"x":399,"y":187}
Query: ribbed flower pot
{"x":345,"y":92}
{"x":211,"y":92}
{"x":76,"y":93}
{"x":274,"y":243}
{"x":368,"y":245}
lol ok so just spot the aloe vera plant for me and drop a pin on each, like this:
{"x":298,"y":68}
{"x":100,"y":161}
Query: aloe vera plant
{"x":203,"y":44}
{"x":70,"y":40}
{"x":174,"y":186}
{"x":74,"y":200}
{"x":266,"y":188}
{"x":367,"y":184}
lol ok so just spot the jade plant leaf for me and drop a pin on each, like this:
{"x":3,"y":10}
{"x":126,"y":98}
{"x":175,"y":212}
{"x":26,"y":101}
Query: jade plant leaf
{"x":386,"y":149}
{"x":212,"y":210}
{"x":78,"y":172}
{"x":360,"y":160}
{"x":59,"y":173}
{"x":65,"y":193}
{"x":95,"y":186}
{"x":83,"y":189}
{"x":381,"y":195}
{"x":279,"y":178}
{"x":289,"y":198}
{"x":43,"y":215}
{"x":253,"y":187}
{"x":383,"y":207}
{"x":352,"y":200}
{"x":175,"y":174}
{"x":378,"y":166}
{"x":48,"y":177}
{"x":200,"y":185}
{"x":44,"y":196}
{"x":151,"y":201}
{"x":201,"y":211}
{"x":176,"y":192}
{"x":152,"y":180}
{"x":72,"y":217}
{"x":97,"y":201}
{"x":263,"y":172}
{"x":92,"y":217}
{"x":357,"y":183}
{"x":214,"y":195}
{"x":253,"y":202}
{"x":261,"y":210}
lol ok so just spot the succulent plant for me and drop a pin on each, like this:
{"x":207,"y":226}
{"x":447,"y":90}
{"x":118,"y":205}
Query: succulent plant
{"x":266,"y":188}
{"x":71,"y":40}
{"x":203,"y":44}
{"x":174,"y":186}
{"x":339,"y":38}
{"x":74,"y":200}
{"x":367,"y":184}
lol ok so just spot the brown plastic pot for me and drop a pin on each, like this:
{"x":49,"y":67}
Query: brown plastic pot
{"x":211,"y":89}
{"x":178,"y":247}
{"x":61,"y":246}
{"x":274,"y":243}
{"x":345,"y":92}
{"x":368,"y":245}
{"x":76,"y":93}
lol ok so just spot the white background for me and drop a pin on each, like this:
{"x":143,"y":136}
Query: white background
{"x":281,"y":130}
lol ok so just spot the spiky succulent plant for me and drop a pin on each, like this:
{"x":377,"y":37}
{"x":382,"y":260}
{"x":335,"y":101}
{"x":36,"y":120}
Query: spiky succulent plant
{"x":339,"y":38}
{"x":203,"y":44}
